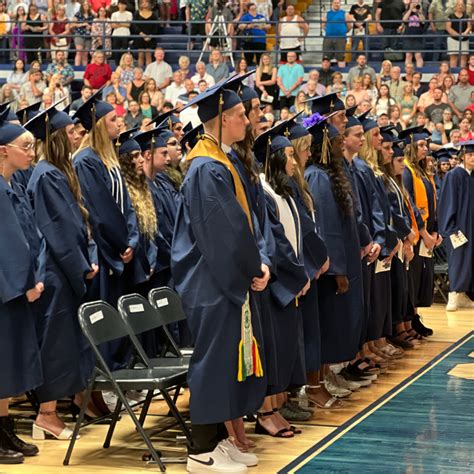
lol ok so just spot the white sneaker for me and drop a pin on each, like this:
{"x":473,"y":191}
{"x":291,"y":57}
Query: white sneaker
{"x":464,"y":301}
{"x":110,"y":399}
{"x":452,"y":301}
{"x":249,"y":459}
{"x":218,"y":460}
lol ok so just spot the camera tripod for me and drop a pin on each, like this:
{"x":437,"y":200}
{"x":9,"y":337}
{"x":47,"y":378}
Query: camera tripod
{"x":219,"y":29}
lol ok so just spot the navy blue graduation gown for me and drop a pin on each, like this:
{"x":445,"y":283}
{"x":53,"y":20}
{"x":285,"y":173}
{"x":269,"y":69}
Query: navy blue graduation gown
{"x":20,"y":363}
{"x":285,"y":309}
{"x":66,"y":356}
{"x":213,"y":272}
{"x":314,"y":256}
{"x":456,"y":213}
{"x":22,"y":177}
{"x":266,"y":244}
{"x":341,"y":316}
{"x":114,"y":228}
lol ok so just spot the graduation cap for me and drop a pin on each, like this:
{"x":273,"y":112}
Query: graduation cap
{"x":397,"y":151}
{"x":125,"y":143}
{"x":9,"y":131}
{"x":352,"y":121}
{"x":295,"y":129}
{"x":322,"y":132}
{"x":192,"y":136}
{"x":167,"y":119}
{"x":188,"y":127}
{"x":48,"y":121}
{"x":467,"y":146}
{"x":28,"y":113}
{"x":214,"y":100}
{"x":414,"y":134}
{"x":387,"y":134}
{"x":11,"y":117}
{"x":351,"y":111}
{"x":442,"y":155}
{"x":269,"y":142}
{"x":326,"y":104}
{"x":151,"y":139}
{"x":367,"y":123}
{"x":235,"y":83}
{"x":92,"y":110}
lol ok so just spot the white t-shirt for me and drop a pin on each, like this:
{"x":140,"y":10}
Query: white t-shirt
{"x":127,"y":17}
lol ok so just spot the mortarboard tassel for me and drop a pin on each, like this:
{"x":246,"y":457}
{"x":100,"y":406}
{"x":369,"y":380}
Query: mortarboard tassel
{"x":267,"y":157}
{"x":326,"y":147}
{"x":221,"y":105}
{"x":93,"y":124}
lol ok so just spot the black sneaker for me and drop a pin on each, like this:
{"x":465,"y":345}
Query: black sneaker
{"x":362,"y":374}
{"x":419,"y":327}
{"x":7,"y":456}
{"x":10,"y":441}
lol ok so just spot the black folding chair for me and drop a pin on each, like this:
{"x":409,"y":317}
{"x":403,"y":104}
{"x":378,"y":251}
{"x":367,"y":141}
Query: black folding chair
{"x":441,"y":279}
{"x":101,"y":323}
{"x":138,"y":314}
{"x":168,"y":306}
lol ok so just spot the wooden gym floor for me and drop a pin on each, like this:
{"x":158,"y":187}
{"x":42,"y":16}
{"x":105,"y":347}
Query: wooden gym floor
{"x":125,"y":453}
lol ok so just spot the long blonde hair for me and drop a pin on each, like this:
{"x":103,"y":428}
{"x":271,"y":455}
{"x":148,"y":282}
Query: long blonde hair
{"x":100,"y":142}
{"x":57,"y":151}
{"x":411,"y":153}
{"x":369,"y":154}
{"x":300,"y":144}
{"x":140,"y":195}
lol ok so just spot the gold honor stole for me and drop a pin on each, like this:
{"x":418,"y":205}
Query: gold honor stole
{"x":249,"y":361}
{"x":421,"y":198}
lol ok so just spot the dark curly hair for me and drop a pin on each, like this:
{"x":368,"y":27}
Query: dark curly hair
{"x":278,"y":179}
{"x":341,"y":187}
{"x":244,"y":148}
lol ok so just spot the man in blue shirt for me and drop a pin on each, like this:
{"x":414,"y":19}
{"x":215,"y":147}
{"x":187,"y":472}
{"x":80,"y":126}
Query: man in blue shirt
{"x":254,"y":26}
{"x":290,"y":77}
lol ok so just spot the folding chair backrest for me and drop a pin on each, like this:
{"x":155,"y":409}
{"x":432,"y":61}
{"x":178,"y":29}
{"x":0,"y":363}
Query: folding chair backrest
{"x":100,"y":322}
{"x":139,"y":313}
{"x":168,"y":304}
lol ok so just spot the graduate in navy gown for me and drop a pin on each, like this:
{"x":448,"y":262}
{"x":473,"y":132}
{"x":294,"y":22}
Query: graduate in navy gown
{"x":111,"y":214}
{"x":407,"y":232}
{"x":442,"y":157}
{"x":217,"y":266}
{"x":340,"y":289}
{"x":315,"y":255}
{"x":421,"y":188}
{"x":456,"y":219}
{"x":242,"y":156}
{"x":55,"y":196}
{"x":21,"y":284}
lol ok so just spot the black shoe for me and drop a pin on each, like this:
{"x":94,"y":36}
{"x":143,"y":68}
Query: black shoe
{"x":10,"y":457}
{"x":419,"y":327}
{"x":10,"y":441}
{"x":362,"y":374}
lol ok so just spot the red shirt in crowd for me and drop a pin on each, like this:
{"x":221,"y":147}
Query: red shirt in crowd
{"x":97,"y":74}
{"x":471,"y":76}
{"x":96,"y":4}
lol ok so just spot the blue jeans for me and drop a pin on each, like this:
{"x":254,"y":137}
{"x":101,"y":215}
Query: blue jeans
{"x":439,"y":43}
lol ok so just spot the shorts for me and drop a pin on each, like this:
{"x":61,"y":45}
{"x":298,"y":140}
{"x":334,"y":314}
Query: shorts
{"x":198,"y":29}
{"x":334,"y":48}
{"x":455,"y":46}
{"x":84,"y":42}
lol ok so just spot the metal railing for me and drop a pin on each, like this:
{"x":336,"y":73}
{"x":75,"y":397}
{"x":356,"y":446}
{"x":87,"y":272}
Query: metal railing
{"x":16,"y":43}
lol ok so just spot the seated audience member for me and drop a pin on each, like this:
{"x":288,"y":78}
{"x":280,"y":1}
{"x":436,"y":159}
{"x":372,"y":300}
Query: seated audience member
{"x":98,"y":72}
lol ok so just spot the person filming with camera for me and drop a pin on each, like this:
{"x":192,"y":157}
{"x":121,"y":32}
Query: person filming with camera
{"x":414,"y":21}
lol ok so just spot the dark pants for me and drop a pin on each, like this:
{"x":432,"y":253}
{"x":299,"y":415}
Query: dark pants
{"x":120,"y":45}
{"x":390,"y":39}
{"x":205,"y":438}
{"x":284,"y":53}
{"x":439,"y":44}
{"x":4,"y":51}
{"x":286,"y":101}
{"x":251,"y":49}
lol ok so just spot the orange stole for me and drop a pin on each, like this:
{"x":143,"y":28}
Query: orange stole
{"x":421,"y":198}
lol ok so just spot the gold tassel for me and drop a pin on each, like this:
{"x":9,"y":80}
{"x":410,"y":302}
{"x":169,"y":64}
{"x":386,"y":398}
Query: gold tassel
{"x":240,"y":368}
{"x":93,"y":124}
{"x":258,"y":368}
{"x":47,"y":139}
{"x":221,"y":106}
{"x":267,"y":158}
{"x":326,"y":147}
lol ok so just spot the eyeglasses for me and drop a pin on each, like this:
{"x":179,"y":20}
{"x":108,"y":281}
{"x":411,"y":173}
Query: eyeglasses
{"x":26,"y":147}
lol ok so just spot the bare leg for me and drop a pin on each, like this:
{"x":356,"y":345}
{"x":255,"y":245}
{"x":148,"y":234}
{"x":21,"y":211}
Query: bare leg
{"x":4,"y":406}
{"x":48,"y":418}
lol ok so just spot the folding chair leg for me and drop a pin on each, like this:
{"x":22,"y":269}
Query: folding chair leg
{"x":139,"y":427}
{"x":80,"y":419}
{"x":176,"y":414}
{"x":31,"y":396}
{"x":113,"y":424}
{"x":146,"y":407}
{"x":176,"y":394}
